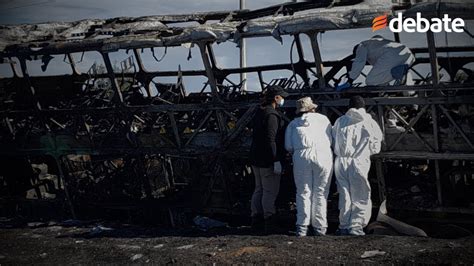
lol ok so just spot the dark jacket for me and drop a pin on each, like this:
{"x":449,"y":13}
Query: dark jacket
{"x":268,"y":138}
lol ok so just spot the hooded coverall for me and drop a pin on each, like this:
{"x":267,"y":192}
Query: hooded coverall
{"x":384,"y":55}
{"x":308,"y":138}
{"x":356,"y":136}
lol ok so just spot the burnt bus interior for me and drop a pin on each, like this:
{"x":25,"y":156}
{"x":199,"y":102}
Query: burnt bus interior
{"x":113,"y":139}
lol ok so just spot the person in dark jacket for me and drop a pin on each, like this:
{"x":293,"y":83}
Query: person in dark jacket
{"x":266,"y":152}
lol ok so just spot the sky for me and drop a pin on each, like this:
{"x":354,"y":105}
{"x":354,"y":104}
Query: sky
{"x":334,"y":45}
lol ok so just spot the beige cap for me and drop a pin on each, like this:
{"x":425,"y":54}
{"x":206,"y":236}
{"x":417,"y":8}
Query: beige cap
{"x":305,"y":104}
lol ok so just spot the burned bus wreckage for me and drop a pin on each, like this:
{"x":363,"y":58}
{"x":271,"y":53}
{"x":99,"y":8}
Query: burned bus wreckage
{"x":116,"y":138}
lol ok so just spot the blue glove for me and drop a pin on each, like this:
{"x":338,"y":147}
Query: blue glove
{"x":343,"y":86}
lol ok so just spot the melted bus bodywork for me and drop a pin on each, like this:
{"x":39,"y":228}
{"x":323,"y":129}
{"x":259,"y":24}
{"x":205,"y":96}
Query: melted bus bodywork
{"x":114,"y":137}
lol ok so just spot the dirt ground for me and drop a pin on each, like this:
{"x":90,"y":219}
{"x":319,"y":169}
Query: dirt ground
{"x":69,"y":243}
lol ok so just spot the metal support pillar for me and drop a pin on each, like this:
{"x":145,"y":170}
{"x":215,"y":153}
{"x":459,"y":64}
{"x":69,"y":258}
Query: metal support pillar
{"x":65,"y":185}
{"x":243,"y":55}
{"x":110,"y":73}
{"x":301,"y":71}
{"x":72,"y":63}
{"x":313,"y":36}
{"x":434,"y":118}
{"x":380,"y":179}
{"x":433,"y":58}
{"x":209,"y":72}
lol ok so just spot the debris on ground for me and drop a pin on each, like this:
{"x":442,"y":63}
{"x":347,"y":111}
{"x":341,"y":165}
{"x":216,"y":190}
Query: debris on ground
{"x":36,"y":224}
{"x":185,"y":247}
{"x":454,"y":245}
{"x":206,"y":223}
{"x":55,"y":228}
{"x":72,"y":222}
{"x":415,"y":189}
{"x":99,"y":230}
{"x":379,"y":228}
{"x":399,"y":226}
{"x":372,"y":253}
{"x":136,"y":257}
{"x":161,"y":246}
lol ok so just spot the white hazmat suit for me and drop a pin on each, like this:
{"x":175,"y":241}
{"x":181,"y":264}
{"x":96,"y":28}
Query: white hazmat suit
{"x":308,"y":138}
{"x":356,"y":136}
{"x":384,"y":55}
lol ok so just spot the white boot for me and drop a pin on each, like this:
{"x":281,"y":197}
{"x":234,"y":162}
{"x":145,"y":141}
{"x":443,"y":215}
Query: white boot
{"x":301,"y":230}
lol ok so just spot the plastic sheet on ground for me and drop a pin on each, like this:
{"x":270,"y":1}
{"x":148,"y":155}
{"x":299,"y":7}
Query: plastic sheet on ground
{"x":206,"y":223}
